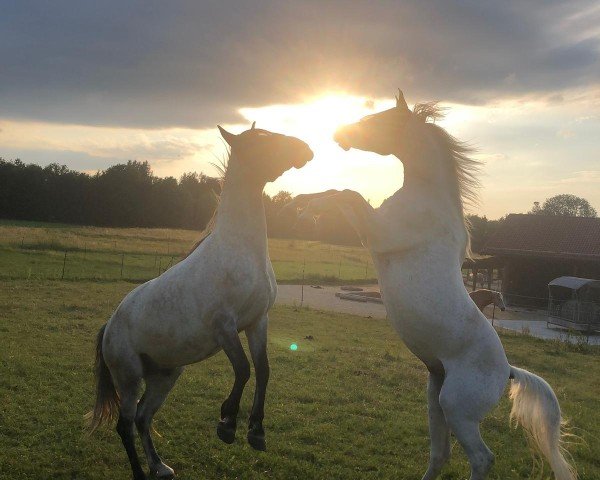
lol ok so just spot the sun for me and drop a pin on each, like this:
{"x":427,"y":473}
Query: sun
{"x":315,"y":119}
{"x":315,"y":122}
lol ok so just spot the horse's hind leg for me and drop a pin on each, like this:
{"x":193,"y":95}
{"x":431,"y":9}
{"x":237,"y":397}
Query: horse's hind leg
{"x":466,"y":397}
{"x":229,"y":340}
{"x":158,"y":385}
{"x":439,"y":432}
{"x":480,"y":456}
{"x":127,"y":379}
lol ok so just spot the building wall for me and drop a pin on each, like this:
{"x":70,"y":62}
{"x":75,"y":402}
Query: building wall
{"x":525,"y":279}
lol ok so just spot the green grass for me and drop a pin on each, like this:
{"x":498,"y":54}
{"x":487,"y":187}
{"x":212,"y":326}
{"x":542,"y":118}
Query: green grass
{"x":30,"y":250}
{"x":349,"y":404}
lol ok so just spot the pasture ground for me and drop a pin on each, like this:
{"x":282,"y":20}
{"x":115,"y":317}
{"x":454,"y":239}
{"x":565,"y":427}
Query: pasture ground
{"x":32,"y":250}
{"x":349,"y":404}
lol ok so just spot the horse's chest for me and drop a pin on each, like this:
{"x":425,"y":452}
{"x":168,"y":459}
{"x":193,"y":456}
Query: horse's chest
{"x":254,"y":298}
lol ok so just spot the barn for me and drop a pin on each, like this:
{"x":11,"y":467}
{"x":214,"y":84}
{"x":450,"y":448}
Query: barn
{"x":532,"y":250}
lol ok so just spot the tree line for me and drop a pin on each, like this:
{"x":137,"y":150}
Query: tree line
{"x":124,"y":195}
{"x":130,"y":195}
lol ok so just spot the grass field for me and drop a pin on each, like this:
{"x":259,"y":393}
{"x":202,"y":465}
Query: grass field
{"x":30,"y":250}
{"x":349,"y":404}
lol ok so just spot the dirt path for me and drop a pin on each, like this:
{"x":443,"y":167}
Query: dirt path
{"x":518,"y":320}
{"x":324,"y":299}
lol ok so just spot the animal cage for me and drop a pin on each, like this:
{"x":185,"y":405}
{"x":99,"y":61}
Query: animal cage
{"x":574,"y":303}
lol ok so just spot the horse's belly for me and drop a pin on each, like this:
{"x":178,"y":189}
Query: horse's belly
{"x":428,"y":308}
{"x":179,"y":331}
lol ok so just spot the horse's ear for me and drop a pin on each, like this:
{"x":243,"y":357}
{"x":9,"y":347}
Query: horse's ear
{"x":400,"y":102}
{"x":228,"y":137}
{"x":253,"y":125}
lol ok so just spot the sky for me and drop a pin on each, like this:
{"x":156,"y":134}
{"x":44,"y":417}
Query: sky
{"x":89,"y":84}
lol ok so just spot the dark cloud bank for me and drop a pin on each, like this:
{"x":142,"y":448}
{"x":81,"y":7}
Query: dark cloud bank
{"x":192,"y":64}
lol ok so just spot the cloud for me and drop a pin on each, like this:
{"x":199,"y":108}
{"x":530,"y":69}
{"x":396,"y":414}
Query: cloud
{"x":583,"y":176}
{"x":161,"y":149}
{"x":565,"y":133}
{"x":193,"y":64}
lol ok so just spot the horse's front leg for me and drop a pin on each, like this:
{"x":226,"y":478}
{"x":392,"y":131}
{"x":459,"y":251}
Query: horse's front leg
{"x":257,"y":341}
{"x":351,"y":204}
{"x":229,"y":340}
{"x":300,"y":201}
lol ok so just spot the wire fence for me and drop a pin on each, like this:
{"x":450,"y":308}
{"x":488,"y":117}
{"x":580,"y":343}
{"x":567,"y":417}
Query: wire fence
{"x":322,"y":264}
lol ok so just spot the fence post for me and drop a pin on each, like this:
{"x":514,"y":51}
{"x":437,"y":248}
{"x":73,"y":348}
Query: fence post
{"x":340,"y":270}
{"x":302,"y":291}
{"x":22,"y":241}
{"x":122,"y":262}
{"x":64,"y":264}
{"x":367,"y":269}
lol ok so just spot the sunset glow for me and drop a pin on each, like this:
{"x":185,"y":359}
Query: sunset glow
{"x":315,"y":121}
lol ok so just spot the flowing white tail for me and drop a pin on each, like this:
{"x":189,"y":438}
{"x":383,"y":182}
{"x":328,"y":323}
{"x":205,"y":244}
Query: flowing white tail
{"x":536,"y":409}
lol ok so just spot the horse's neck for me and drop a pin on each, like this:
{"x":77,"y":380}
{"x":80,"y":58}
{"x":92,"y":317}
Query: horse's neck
{"x":429,"y":171}
{"x":429,"y":201}
{"x":241,"y":213}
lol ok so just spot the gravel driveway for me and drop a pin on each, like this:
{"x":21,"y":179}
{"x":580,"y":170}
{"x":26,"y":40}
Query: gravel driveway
{"x":323,"y":298}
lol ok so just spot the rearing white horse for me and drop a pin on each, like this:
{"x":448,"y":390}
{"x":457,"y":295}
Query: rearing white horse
{"x":196,"y":308}
{"x":418,"y":239}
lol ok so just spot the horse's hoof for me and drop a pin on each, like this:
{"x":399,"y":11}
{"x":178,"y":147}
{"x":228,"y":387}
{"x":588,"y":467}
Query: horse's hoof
{"x":163,"y":472}
{"x":257,"y":442}
{"x":226,"y":433}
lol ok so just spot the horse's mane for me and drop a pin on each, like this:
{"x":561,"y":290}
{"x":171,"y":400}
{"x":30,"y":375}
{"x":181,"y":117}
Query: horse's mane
{"x":221,"y":166}
{"x":466,"y":168}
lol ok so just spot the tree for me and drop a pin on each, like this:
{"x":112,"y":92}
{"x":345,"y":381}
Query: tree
{"x":481,"y":230}
{"x":123,"y":195}
{"x":565,"y":204}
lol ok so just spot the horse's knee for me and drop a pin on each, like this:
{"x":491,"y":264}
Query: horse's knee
{"x":436,"y":463}
{"x":142,"y":422}
{"x":438,"y":460}
{"x":482,"y":464}
{"x":243,"y":372}
{"x":125,"y":427}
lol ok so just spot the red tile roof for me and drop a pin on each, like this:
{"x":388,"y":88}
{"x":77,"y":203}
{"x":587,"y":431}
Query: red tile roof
{"x":545,"y":235}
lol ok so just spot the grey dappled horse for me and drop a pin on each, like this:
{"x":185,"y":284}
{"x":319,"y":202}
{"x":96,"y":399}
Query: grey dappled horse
{"x":198,"y":307}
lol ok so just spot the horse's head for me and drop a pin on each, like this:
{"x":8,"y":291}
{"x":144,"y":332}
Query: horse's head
{"x":499,"y":301}
{"x":378,"y":133}
{"x":265,"y":155}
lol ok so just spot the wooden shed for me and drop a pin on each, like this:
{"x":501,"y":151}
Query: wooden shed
{"x":574,"y":303}
{"x":535,"y":249}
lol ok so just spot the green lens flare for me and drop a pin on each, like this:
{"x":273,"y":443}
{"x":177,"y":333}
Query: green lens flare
{"x":293,"y":347}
